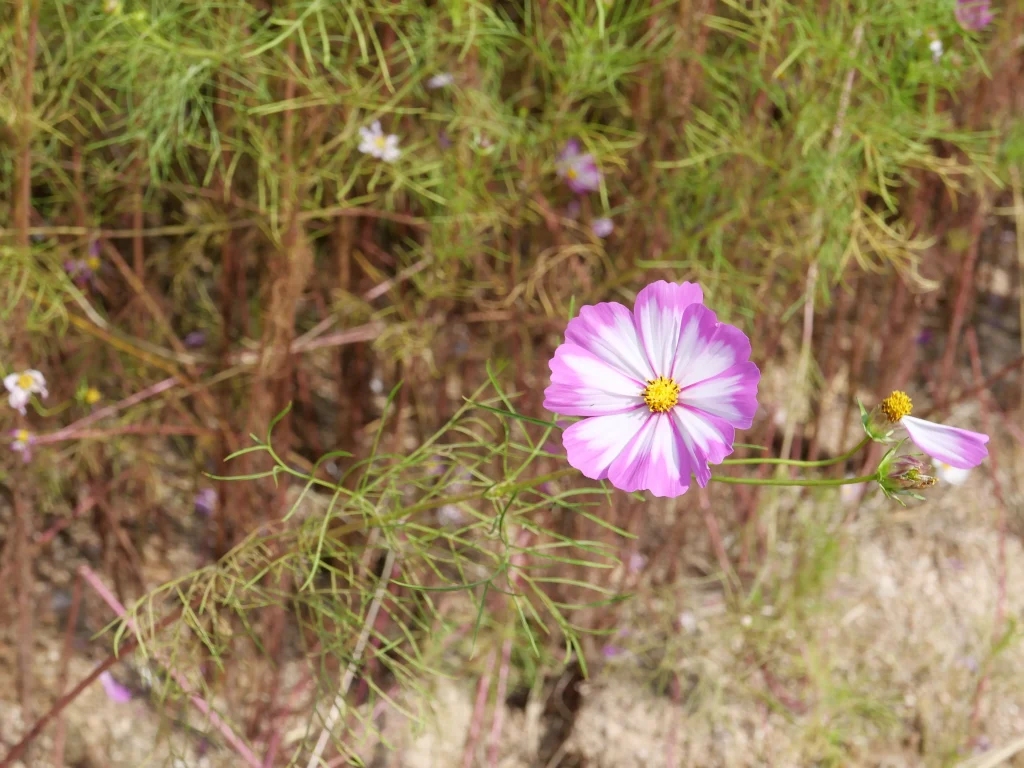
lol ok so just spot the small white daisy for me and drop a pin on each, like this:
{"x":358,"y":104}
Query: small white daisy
{"x":373,"y":141}
{"x":441,"y":80}
{"x":22,"y":443}
{"x":936,"y":49}
{"x":22,"y":386}
{"x":951,"y":475}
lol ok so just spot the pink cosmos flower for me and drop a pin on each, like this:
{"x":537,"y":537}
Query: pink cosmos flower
{"x":662,"y":389}
{"x":959,"y":448}
{"x":974,"y":14}
{"x":579,"y":170}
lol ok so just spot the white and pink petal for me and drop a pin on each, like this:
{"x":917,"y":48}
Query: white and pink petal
{"x":659,"y":314}
{"x":730,"y":395}
{"x":705,"y":438}
{"x":607,"y":330}
{"x":593,"y":444}
{"x":654,"y":461}
{"x":707,"y":347}
{"x":583,"y":384}
{"x":960,"y":448}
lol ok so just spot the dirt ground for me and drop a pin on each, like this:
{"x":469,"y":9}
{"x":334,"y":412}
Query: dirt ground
{"x":880,"y":667}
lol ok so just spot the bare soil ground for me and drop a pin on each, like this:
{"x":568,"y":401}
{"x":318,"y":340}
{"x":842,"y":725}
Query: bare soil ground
{"x":880,"y":664}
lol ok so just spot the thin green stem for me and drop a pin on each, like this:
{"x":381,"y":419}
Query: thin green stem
{"x":785,"y":481}
{"x":798,"y":463}
{"x":424,"y":506}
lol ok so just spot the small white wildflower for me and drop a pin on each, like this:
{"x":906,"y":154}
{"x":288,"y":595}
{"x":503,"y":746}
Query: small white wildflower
{"x":936,"y":49}
{"x":377,"y":385}
{"x":746,"y":621}
{"x":373,"y":141}
{"x":951,"y":475}
{"x":688,"y":622}
{"x":440,"y":80}
{"x":22,"y":386}
{"x":22,"y":443}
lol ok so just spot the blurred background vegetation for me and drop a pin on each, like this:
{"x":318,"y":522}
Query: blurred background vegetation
{"x":191,"y":234}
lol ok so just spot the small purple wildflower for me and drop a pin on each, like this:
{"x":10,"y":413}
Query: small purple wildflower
{"x":924,"y":336}
{"x":611,"y":651}
{"x":602,"y":227}
{"x":116,"y":692}
{"x":637,"y":563}
{"x":83,"y":271}
{"x":206,"y":501}
{"x":579,"y":170}
{"x":195,"y":339}
{"x":974,"y":14}
{"x":444,"y":141}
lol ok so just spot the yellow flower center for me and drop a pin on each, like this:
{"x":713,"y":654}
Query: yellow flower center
{"x":381,"y":142}
{"x":661,"y":394}
{"x":896,"y":406}
{"x":22,"y":435}
{"x":93,"y":263}
{"x":25,"y":381}
{"x":571,"y":173}
{"x":92,"y":395}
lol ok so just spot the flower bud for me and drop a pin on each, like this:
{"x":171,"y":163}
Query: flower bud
{"x":876,"y":424}
{"x":903,"y":475}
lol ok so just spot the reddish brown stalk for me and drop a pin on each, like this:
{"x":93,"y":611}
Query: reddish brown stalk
{"x":110,"y":410}
{"x":966,"y":286}
{"x":715,"y":536}
{"x":131,"y":429}
{"x":483,"y":687}
{"x":861,"y":336}
{"x":123,"y":651}
{"x":829,"y":363}
{"x":997,"y":489}
{"x":22,"y":212}
{"x":23,"y":533}
{"x":197,"y":701}
{"x":138,"y":250}
{"x":46,"y":537}
{"x":1000,"y":374}
{"x":498,"y":722}
{"x":62,"y":675}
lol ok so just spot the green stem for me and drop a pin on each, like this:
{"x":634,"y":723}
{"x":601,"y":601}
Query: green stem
{"x":786,"y":481}
{"x":798,"y":463}
{"x":424,"y":506}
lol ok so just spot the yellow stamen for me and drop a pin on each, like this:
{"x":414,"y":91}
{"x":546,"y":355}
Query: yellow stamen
{"x":896,"y":406}
{"x":92,"y":396}
{"x":661,"y":394}
{"x":93,"y":263}
{"x":381,"y":142}
{"x":22,"y":435}
{"x":25,"y":381}
{"x":571,"y":173}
